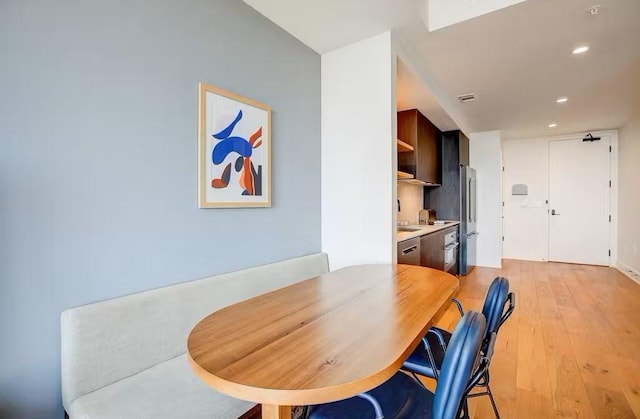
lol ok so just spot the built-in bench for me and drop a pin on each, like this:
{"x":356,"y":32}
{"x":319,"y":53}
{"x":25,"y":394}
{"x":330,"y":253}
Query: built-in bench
{"x":125,"y":357}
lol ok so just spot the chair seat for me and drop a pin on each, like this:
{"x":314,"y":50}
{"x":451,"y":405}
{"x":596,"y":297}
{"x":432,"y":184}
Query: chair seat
{"x":418,"y":362}
{"x":400,"y":397}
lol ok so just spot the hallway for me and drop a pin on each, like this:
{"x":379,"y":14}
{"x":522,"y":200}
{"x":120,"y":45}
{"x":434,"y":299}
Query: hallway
{"x":571,"y":349}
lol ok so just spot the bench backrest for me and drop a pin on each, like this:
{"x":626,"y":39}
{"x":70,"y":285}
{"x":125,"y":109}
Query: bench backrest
{"x":110,"y":340}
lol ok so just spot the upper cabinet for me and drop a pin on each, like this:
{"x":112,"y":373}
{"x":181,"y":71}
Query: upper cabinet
{"x":423,"y":162}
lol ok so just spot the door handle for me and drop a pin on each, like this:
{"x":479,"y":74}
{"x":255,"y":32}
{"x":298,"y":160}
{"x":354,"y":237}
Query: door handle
{"x":409,"y":250}
{"x":553,"y":212}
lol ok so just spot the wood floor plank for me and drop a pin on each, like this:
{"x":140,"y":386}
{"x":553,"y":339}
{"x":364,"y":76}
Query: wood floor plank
{"x":609,"y":404}
{"x":633,"y":399}
{"x":533,"y":405}
{"x":569,"y":394}
{"x":572,"y":347}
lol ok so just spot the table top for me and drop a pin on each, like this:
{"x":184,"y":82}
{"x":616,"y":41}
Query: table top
{"x":322,"y":339}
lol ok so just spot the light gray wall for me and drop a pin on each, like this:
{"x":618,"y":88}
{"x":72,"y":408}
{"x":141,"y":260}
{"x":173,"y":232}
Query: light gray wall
{"x":98,"y":162}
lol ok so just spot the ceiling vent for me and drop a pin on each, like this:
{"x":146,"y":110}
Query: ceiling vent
{"x":469,"y":97}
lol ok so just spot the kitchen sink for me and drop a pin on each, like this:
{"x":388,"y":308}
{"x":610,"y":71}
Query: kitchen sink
{"x":405,"y":228}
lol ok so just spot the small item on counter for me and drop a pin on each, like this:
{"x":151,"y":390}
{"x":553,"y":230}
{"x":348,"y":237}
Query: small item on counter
{"x":403,"y":223}
{"x":439,"y":222}
{"x":432,"y":216}
{"x":423,"y":216}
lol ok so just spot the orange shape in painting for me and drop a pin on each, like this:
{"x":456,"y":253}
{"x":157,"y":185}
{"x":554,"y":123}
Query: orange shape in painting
{"x":246,"y":178}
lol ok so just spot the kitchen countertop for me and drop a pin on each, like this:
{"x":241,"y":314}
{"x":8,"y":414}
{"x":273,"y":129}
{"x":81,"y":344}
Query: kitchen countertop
{"x":423,"y":230}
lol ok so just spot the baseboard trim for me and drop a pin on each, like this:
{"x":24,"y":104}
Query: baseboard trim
{"x":628,"y":271}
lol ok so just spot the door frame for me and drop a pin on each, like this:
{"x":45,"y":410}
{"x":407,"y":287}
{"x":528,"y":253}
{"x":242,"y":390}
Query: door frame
{"x":613,"y":192}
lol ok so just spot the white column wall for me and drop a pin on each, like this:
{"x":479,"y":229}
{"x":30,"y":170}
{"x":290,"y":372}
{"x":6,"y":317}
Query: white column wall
{"x":485,"y":157}
{"x":629,"y":198}
{"x":357,"y":157}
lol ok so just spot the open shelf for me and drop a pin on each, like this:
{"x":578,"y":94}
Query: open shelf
{"x":404,"y":147}
{"x":404,"y":175}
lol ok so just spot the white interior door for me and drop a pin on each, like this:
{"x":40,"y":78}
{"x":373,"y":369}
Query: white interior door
{"x":579,"y":201}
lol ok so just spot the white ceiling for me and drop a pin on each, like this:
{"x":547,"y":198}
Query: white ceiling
{"x":517,"y":60}
{"x":329,"y":24}
{"x":441,"y":13}
{"x":412,"y":93}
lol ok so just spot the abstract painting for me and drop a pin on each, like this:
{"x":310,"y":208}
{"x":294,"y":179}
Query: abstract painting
{"x":234,"y":150}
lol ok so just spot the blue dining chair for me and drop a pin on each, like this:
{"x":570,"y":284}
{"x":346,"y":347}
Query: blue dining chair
{"x":402,"y":397}
{"x":434,"y":345}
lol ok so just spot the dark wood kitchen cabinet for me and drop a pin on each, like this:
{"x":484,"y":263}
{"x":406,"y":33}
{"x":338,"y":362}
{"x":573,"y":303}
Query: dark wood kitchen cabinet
{"x":432,"y":250}
{"x":445,"y":200}
{"x":424,"y":161}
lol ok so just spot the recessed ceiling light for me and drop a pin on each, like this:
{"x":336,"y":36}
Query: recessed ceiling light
{"x":581,"y":49}
{"x":562,"y":99}
{"x":552,"y":125}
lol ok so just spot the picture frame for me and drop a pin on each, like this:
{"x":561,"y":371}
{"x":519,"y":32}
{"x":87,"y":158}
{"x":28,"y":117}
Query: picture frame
{"x":234,"y":150}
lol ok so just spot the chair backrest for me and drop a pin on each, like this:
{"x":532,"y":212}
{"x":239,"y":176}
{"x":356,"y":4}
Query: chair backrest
{"x":494,"y":303}
{"x":460,"y":361}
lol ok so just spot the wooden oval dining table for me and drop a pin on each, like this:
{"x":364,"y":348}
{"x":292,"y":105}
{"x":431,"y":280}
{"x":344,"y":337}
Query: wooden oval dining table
{"x":323,"y":339}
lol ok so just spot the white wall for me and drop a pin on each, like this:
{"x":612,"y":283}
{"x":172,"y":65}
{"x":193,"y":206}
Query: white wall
{"x":629,"y":201}
{"x":484,"y":156}
{"x":525,"y":217}
{"x":358,"y":153}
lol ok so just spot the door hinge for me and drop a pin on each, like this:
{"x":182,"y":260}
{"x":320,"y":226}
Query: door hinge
{"x":609,"y":218}
{"x":609,"y":253}
{"x":503,"y":203}
{"x":609,"y":149}
{"x":503,"y":168}
{"x":609,"y":183}
{"x":502,"y":238}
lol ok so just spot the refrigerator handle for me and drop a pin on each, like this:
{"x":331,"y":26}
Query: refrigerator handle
{"x":469,"y":196}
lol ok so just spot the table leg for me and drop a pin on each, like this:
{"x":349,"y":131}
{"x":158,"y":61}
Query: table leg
{"x":273,"y":411}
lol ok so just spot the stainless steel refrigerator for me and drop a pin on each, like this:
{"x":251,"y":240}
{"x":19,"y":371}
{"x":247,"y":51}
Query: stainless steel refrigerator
{"x":468,"y":218}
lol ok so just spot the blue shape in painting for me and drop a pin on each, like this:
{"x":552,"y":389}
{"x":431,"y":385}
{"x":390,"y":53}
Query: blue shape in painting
{"x":228,"y":144}
{"x":227,"y":131}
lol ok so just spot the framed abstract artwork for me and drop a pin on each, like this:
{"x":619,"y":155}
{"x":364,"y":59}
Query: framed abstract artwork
{"x":234,"y":150}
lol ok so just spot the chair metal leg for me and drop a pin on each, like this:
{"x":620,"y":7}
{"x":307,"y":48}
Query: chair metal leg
{"x":493,"y":402}
{"x":465,"y":409}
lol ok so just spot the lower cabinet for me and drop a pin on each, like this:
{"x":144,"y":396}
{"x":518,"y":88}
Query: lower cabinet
{"x":427,"y":250}
{"x":409,"y":251}
{"x":432,"y":250}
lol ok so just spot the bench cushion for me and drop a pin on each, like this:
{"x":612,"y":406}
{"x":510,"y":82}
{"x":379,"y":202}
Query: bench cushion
{"x":105,"y":342}
{"x":168,"y":390}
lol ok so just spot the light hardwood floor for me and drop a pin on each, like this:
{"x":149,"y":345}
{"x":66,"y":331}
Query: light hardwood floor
{"x":572,"y":347}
